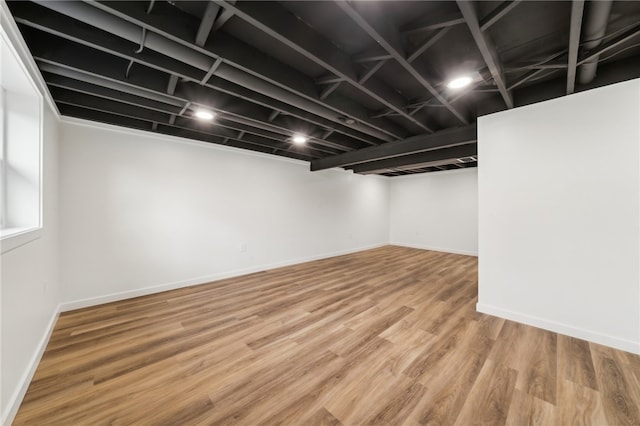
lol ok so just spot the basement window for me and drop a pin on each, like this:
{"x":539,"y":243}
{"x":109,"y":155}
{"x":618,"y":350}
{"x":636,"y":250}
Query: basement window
{"x":20,"y":150}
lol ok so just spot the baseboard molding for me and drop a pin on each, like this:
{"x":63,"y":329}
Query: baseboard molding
{"x":18,"y":395}
{"x":433,"y":248}
{"x":114,"y":297}
{"x":580,"y":333}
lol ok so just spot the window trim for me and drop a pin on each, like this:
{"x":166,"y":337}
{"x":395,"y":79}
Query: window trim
{"x":14,"y":237}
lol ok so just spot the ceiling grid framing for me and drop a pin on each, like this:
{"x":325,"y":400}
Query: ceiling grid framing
{"x":369,"y":97}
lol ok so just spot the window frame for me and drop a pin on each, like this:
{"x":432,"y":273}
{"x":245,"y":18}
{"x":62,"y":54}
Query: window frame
{"x":13,"y":237}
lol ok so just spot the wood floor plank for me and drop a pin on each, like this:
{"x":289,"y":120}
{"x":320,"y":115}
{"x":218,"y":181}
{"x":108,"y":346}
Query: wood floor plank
{"x":575,"y":362}
{"x":387,"y":336}
{"x":620,"y":397}
{"x":587,"y":406}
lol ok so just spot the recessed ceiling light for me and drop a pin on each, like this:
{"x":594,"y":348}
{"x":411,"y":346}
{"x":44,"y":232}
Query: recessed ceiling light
{"x":203,"y":114}
{"x":460,"y":82}
{"x":299,"y":139}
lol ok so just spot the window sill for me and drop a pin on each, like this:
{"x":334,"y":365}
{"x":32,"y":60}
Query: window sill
{"x":15,"y":237}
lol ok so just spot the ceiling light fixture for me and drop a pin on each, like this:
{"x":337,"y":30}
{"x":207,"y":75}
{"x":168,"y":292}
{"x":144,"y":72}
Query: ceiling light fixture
{"x":299,"y":139}
{"x":203,"y":114}
{"x":460,"y":82}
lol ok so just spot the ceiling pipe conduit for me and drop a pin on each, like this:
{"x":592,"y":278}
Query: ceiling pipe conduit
{"x":594,"y":30}
{"x":131,"y":32}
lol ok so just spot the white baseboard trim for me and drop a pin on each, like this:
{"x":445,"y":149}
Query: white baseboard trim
{"x":580,"y":333}
{"x":114,"y":297}
{"x":433,"y":248}
{"x":18,"y":395}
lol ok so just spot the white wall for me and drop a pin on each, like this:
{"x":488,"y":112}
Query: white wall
{"x":142,"y":212}
{"x":30,"y":286}
{"x":436,"y":211}
{"x":559,"y":241}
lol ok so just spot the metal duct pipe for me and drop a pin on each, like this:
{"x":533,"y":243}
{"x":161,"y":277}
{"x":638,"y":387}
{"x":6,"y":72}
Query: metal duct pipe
{"x":95,"y":17}
{"x":594,"y":29}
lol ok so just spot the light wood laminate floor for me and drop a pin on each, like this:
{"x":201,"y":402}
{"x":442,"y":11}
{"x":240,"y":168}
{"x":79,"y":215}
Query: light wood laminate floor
{"x":384,"y":336}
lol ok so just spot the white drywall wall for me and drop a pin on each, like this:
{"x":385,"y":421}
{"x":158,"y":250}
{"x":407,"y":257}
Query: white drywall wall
{"x":559,"y":196}
{"x":30,"y":286}
{"x":142,"y":212}
{"x":436,"y":211}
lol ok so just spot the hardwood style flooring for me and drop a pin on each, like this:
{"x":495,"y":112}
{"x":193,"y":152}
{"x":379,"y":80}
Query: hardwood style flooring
{"x":386,"y":336}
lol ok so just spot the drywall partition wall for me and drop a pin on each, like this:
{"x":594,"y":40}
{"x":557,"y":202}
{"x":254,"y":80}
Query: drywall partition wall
{"x":30,"y":287}
{"x":435,"y":211}
{"x":559,"y":215}
{"x":143,"y":213}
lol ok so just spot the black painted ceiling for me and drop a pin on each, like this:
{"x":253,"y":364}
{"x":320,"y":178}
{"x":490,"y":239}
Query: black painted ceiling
{"x":366,"y":81}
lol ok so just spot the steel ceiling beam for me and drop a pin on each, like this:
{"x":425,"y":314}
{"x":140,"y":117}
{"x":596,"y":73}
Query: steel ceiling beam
{"x":533,"y":73}
{"x":74,"y":79}
{"x":121,"y":49}
{"x":378,"y":28}
{"x":496,"y":14}
{"x":206,"y":24}
{"x":633,"y":31}
{"x":239,"y":56}
{"x":428,"y":43}
{"x":243,"y":64}
{"x":430,"y":23}
{"x":420,"y":160}
{"x":171,"y":86}
{"x":577,"y":9}
{"x":413,"y":145}
{"x":486,"y":48}
{"x":222,"y":128}
{"x":124,"y":110}
{"x":295,"y":34}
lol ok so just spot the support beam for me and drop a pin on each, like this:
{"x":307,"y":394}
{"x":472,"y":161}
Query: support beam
{"x":371,"y":57}
{"x":273,"y":115}
{"x":428,"y":43}
{"x":371,"y":71}
{"x":243,"y":64}
{"x":379,"y":29}
{"x":224,"y":17}
{"x":430,"y":23}
{"x":206,"y":25}
{"x":92,"y":57}
{"x":577,"y":9}
{"x":113,"y":90}
{"x":329,"y":90}
{"x":487,"y":49}
{"x":420,"y":160}
{"x":171,"y":86}
{"x":496,"y":14}
{"x":614,"y":42}
{"x":413,"y":145}
{"x":295,"y":34}
{"x":90,"y":105}
{"x":534,"y":73}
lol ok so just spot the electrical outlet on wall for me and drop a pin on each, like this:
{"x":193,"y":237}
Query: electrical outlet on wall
{"x":243,"y":247}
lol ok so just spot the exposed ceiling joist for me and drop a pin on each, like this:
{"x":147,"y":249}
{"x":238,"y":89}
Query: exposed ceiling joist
{"x":173,"y":104}
{"x":287,"y":29}
{"x":496,"y":14}
{"x":281,"y":68}
{"x":415,"y":144}
{"x":428,"y":43}
{"x":577,"y":9}
{"x":242,"y":63}
{"x":486,"y":48}
{"x":430,"y":23}
{"x":79,"y":93}
{"x":628,"y":34}
{"x":153,"y":60}
{"x":206,"y":24}
{"x":388,"y":37}
{"x":420,"y":160}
